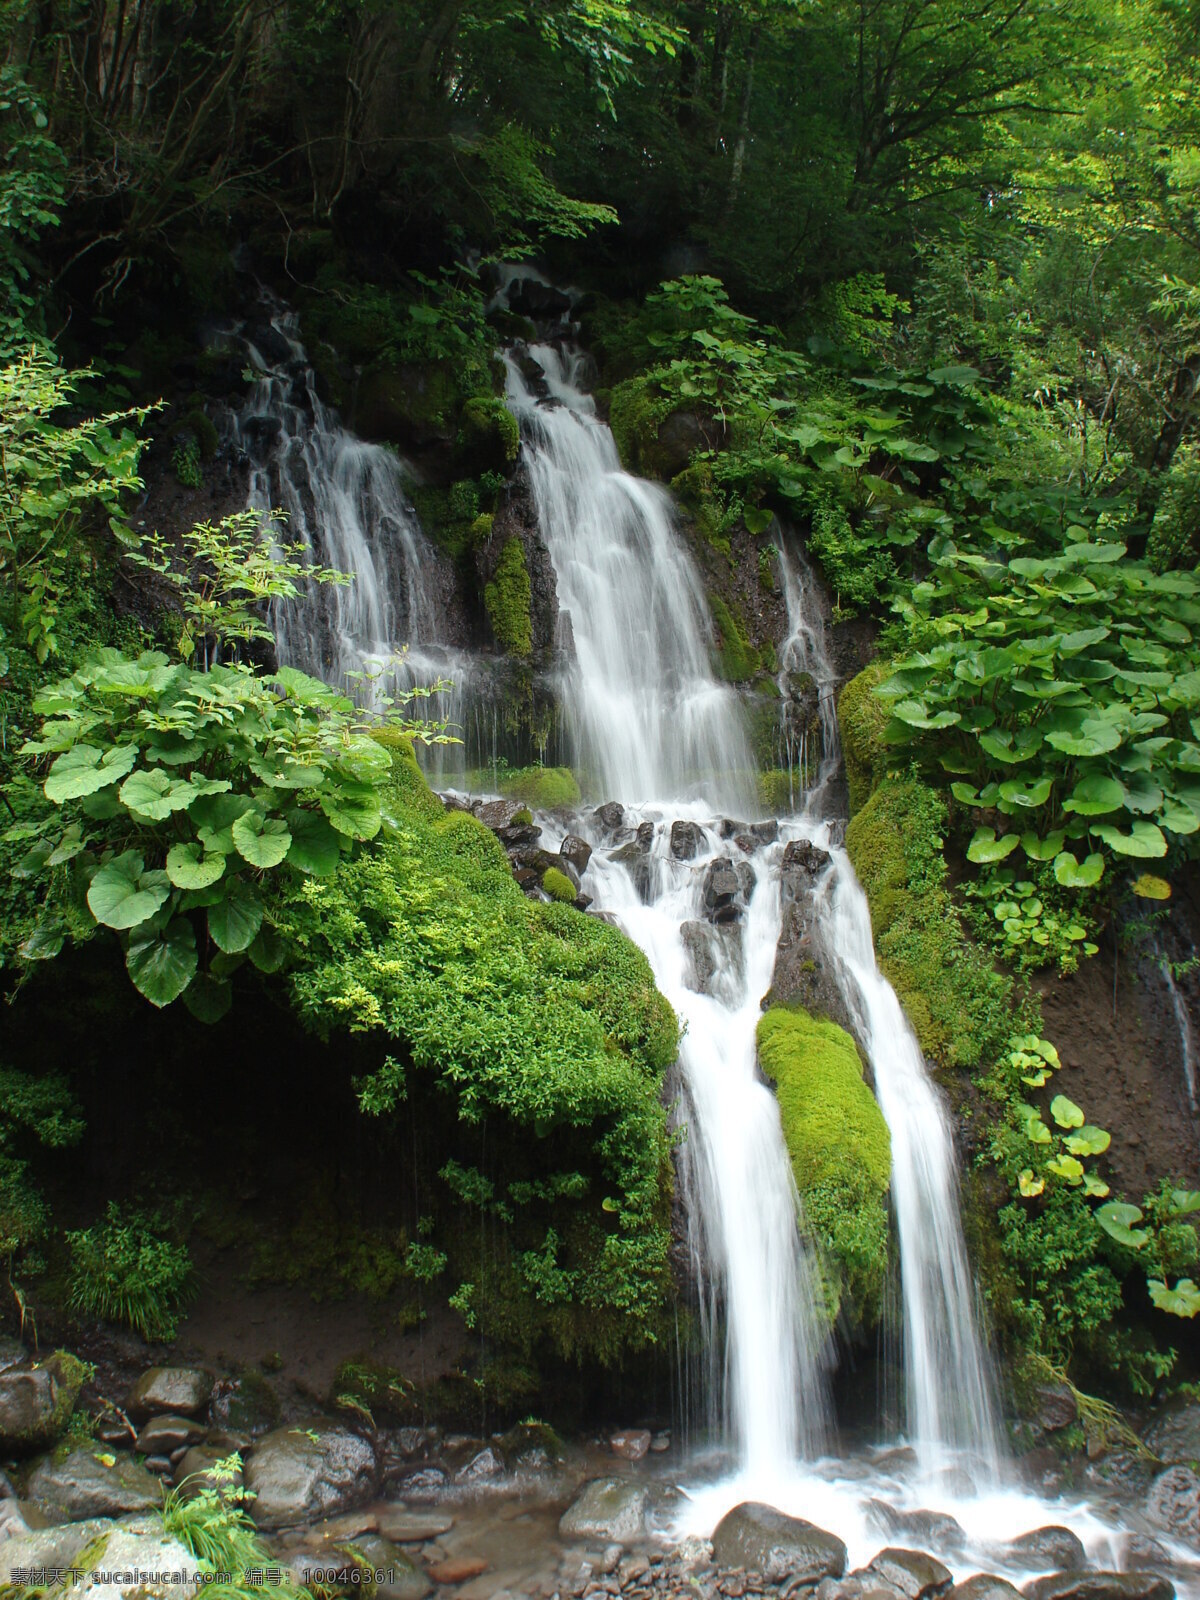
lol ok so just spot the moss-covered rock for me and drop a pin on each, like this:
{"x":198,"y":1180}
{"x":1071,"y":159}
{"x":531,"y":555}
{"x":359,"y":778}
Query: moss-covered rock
{"x":635,"y":411}
{"x":861,"y":721}
{"x":840,"y":1150}
{"x":507,"y":599}
{"x":738,"y":660}
{"x":696,"y":491}
{"x":558,"y":886}
{"x":959,"y":1005}
{"x":36,"y":1402}
{"x":488,"y":436}
{"x":414,"y":403}
{"x":542,"y":788}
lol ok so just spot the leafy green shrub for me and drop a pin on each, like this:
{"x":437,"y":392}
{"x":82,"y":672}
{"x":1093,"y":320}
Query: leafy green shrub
{"x":207,"y":1513}
{"x":34,"y":1112}
{"x":507,"y":599}
{"x":959,"y":1006}
{"x":1060,"y":694}
{"x":540,"y":1023}
{"x":1030,"y":920}
{"x":185,"y":463}
{"x":558,"y":886}
{"x":542,"y":788}
{"x":840,"y":1150}
{"x":123,"y":1270}
{"x":861,"y":723}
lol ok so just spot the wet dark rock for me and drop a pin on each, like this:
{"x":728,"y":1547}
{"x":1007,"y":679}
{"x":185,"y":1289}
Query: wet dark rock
{"x":405,"y":1579}
{"x":195,"y":1462}
{"x":13,"y":1354}
{"x":1174,"y":1435}
{"x":912,"y":1572}
{"x":634,"y":856}
{"x":722,"y":894}
{"x":926,"y":1528}
{"x":687,"y":839}
{"x":700,"y":947}
{"x":680,"y":435}
{"x":246,"y":1404}
{"x":497,"y":814}
{"x":757,"y":1536}
{"x":765,"y":832}
{"x":484,"y":1464}
{"x":577,"y":851}
{"x":730,"y":828}
{"x":423,"y":1486}
{"x":609,"y":1509}
{"x":645,"y":835}
{"x":271,"y":345}
{"x":1050,"y":1549}
{"x":56,"y":1547}
{"x":30,"y":1411}
{"x":631,"y":1445}
{"x":296,"y":1477}
{"x":660,"y":1442}
{"x":163,"y":1434}
{"x":1139,"y":1552}
{"x":412,"y":1527}
{"x":160,"y":1466}
{"x":87,"y":1482}
{"x":1174,"y":1503}
{"x":541,"y":302}
{"x":518,"y":833}
{"x":610,"y":816}
{"x":1100,"y":1586}
{"x":984,"y":1586}
{"x":261,"y":433}
{"x":182,"y":1390}
{"x":803,"y":972}
{"x":1055,"y":1406}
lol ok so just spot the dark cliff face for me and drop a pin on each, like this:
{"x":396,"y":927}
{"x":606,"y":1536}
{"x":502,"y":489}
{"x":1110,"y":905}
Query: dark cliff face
{"x":516,"y":518}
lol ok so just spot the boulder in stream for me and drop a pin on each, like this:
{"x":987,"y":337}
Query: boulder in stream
{"x":175,"y":1390}
{"x":608,"y":1509}
{"x":297,"y":1475}
{"x":757,"y":1536}
{"x":687,"y":840}
{"x":1174,"y":1435}
{"x":35,"y":1403}
{"x":1051,"y":1549}
{"x":984,"y":1586}
{"x":1100,"y":1586}
{"x":1173,"y":1503}
{"x":912,"y":1572}
{"x":92,"y":1482}
{"x":576,"y":851}
{"x":610,"y":816}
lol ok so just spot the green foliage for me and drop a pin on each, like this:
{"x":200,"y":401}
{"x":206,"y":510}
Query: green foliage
{"x":170,"y":795}
{"x":1031,"y":921}
{"x":507,"y":599}
{"x":1060,"y":694}
{"x":185,"y":463}
{"x":36,"y":1114}
{"x":558,"y":886}
{"x":840,"y":1150}
{"x":540,"y":1023}
{"x":224,"y":576}
{"x":123,"y":1270}
{"x":861,"y":723}
{"x":540,"y":788}
{"x":211,"y":1519}
{"x":959,"y":1006}
{"x":57,"y":478}
{"x":32,"y":186}
{"x":524,"y":206}
{"x":738,"y":660}
{"x":488,"y":435}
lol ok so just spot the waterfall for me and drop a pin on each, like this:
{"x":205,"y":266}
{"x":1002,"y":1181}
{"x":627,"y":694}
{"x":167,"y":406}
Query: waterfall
{"x":658,"y":731}
{"x":948,"y":1384}
{"x":647,"y":717}
{"x":347,"y":507}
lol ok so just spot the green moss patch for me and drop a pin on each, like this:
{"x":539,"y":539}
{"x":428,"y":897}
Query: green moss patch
{"x":862,"y":719}
{"x":542,"y":788}
{"x":558,"y":886}
{"x":508,"y":598}
{"x":840,"y":1150}
{"x":959,"y":1005}
{"x":635,"y":411}
{"x":543,"y":1037}
{"x":488,"y":436}
{"x":738,"y":660}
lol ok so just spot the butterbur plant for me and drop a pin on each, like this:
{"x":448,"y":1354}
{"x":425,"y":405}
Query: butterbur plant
{"x":124,"y":1271}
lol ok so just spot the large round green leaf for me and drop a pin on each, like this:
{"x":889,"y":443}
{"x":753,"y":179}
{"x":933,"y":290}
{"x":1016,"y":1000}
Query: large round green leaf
{"x":353,"y":809}
{"x":315,"y":844}
{"x":122,"y":896}
{"x":1118,"y":1220}
{"x":163,"y":965}
{"x":263,"y":842}
{"x":1144,"y":839}
{"x":208,"y":998}
{"x":234,"y":921}
{"x":1094,"y":738}
{"x":1095,"y":795}
{"x":1181,"y":1301}
{"x":1065,"y":1112}
{"x":1089,"y":1141}
{"x":190,"y":867}
{"x":1073,"y":874}
{"x":154,"y":795}
{"x":985,"y":846}
{"x":83,"y":769}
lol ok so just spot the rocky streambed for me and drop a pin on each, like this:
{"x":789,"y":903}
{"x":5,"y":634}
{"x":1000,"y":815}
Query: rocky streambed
{"x":404,"y":1512}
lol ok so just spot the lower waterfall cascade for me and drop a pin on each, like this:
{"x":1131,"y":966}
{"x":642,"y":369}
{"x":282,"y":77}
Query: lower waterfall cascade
{"x":657,"y":735}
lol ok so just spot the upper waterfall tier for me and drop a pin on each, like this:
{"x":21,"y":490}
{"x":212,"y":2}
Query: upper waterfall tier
{"x":649,"y":719}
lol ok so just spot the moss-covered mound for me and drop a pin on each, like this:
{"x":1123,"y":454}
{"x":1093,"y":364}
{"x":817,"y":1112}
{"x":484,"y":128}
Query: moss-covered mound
{"x":957,"y":1002}
{"x":541,"y":1035}
{"x":508,"y":601}
{"x":840,"y":1150}
{"x":543,"y":788}
{"x":862,"y":718}
{"x":558,"y":886}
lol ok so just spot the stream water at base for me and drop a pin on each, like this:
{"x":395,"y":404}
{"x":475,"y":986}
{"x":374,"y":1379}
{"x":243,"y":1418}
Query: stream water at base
{"x":681,"y":862}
